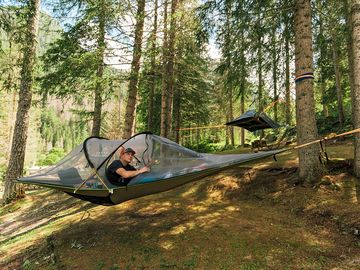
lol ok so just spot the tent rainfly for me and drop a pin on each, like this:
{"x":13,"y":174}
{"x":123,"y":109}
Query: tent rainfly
{"x":82,"y":173}
{"x":252,"y":121}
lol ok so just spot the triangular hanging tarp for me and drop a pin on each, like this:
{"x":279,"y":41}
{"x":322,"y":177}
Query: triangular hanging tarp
{"x":252,"y":121}
{"x":82,"y":173}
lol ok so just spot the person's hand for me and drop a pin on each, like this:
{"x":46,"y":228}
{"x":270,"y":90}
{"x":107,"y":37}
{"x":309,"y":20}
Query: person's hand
{"x":144,"y":169}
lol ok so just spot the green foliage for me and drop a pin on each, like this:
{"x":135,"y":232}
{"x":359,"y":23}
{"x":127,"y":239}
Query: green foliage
{"x":2,"y":172}
{"x":74,"y":65}
{"x":331,"y":124}
{"x":193,"y":89}
{"x":61,"y":132}
{"x":52,"y":157}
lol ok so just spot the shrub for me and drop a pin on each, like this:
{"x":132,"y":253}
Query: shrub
{"x":52,"y":157}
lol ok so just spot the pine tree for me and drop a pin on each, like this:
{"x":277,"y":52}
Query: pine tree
{"x":309,"y":164}
{"x":17,"y":156}
{"x":134,"y":73}
{"x":355,"y":35}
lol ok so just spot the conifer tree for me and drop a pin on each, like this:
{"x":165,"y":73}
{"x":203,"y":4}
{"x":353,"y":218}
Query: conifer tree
{"x":17,"y":156}
{"x":309,"y":164}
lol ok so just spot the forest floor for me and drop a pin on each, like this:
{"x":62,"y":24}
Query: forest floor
{"x":256,"y":216}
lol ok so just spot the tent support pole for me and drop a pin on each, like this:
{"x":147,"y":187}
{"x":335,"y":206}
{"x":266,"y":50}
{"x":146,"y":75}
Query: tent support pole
{"x":88,"y":178}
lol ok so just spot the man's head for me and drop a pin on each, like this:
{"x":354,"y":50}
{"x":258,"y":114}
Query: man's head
{"x":126,"y":154}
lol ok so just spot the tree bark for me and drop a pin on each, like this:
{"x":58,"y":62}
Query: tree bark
{"x":227,"y":131}
{"x":242,"y":111}
{"x":322,"y":70}
{"x":349,"y":52}
{"x":164,"y":94}
{"x":134,"y":73}
{"x":339,"y":93}
{"x":259,"y":58}
{"x":231,"y":115}
{"x":325,"y":109}
{"x":177,"y":112}
{"x":355,"y":35}
{"x":153,"y":70}
{"x":309,"y":165}
{"x":260,"y":79}
{"x":275,"y":73}
{"x":17,"y":156}
{"x":287,"y":76}
{"x":170,"y":67}
{"x":99,"y":73}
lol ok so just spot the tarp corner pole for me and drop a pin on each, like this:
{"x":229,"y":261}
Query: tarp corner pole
{"x":111,"y":191}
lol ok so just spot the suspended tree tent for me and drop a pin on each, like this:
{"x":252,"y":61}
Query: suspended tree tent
{"x":82,"y":173}
{"x":252,"y":121}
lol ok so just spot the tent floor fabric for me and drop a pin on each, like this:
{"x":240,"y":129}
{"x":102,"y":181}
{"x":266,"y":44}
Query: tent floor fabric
{"x":82,"y":173}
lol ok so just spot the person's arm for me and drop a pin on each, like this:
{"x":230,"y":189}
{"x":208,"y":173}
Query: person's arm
{"x":127,"y":174}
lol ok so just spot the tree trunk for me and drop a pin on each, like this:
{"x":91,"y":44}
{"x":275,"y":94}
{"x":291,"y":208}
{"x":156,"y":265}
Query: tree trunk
{"x":322,"y":71}
{"x":349,"y":52}
{"x":231,"y":115}
{"x":259,"y":57}
{"x":17,"y":156}
{"x":170,"y":66}
{"x":287,"y":76}
{"x":260,"y":82}
{"x":339,"y":93}
{"x":309,"y":164}
{"x":227,"y":131}
{"x":242,"y":111}
{"x":153,"y":71}
{"x":164,"y":94}
{"x":355,"y":35}
{"x":99,"y":74}
{"x":177,"y":112}
{"x":325,"y":109}
{"x":134,"y":73}
{"x":275,"y":63}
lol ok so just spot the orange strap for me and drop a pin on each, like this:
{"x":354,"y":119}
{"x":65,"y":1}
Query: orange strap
{"x":272,"y":104}
{"x":191,"y":128}
{"x":328,"y":138}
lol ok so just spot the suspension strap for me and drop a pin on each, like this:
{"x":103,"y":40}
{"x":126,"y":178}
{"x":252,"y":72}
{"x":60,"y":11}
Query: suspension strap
{"x":327,"y":138}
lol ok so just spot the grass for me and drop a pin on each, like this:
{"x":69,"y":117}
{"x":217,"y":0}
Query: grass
{"x":251,"y":217}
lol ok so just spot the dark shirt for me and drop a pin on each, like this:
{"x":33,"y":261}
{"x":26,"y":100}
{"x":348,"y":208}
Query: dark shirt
{"x":115,"y":178}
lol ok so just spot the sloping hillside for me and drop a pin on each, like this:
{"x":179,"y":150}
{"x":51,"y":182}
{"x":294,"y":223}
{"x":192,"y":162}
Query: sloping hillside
{"x":253,"y":217}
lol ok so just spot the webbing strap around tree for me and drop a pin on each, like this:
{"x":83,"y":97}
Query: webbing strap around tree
{"x":304,"y":76}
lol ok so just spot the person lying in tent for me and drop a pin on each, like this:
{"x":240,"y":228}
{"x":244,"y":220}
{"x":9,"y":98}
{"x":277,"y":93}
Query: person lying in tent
{"x":120,"y":172}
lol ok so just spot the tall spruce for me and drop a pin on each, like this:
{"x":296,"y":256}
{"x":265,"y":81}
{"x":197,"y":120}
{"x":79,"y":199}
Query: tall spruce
{"x":309,"y":164}
{"x":287,"y":37}
{"x":83,"y":47}
{"x":17,"y":156}
{"x":153,"y":71}
{"x":101,"y":46}
{"x":170,"y":66}
{"x":355,"y":35}
{"x":164,"y":81}
{"x":134,"y":73}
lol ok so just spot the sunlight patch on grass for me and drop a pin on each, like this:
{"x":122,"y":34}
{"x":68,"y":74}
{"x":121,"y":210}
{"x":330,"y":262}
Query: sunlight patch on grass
{"x":182,"y":228}
{"x":190,"y":192}
{"x":316,"y":242}
{"x":209,"y":219}
{"x":168,"y":245}
{"x":232,"y":208}
{"x":198,"y":208}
